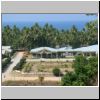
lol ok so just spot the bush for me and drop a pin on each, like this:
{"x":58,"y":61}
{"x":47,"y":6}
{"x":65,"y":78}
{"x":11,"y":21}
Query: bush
{"x":19,"y":66}
{"x":66,"y":66}
{"x":41,"y":79}
{"x":12,"y":53}
{"x":85,"y":71}
{"x":56,"y":72}
{"x":5,"y":56}
{"x":5,"y":63}
{"x":80,"y":63}
{"x":27,"y":67}
{"x":68,"y":78}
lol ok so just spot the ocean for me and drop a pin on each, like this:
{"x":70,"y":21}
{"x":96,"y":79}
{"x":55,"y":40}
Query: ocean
{"x":58,"y":25}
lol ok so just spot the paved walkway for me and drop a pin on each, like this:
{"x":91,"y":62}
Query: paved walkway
{"x":16,"y":60}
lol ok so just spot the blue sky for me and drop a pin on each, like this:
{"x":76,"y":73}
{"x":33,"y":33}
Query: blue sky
{"x":46,"y":17}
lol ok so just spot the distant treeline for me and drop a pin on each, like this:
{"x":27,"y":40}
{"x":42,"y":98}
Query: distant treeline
{"x":37,"y":36}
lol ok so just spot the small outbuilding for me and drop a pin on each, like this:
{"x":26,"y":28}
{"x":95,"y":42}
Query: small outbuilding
{"x":6,"y":49}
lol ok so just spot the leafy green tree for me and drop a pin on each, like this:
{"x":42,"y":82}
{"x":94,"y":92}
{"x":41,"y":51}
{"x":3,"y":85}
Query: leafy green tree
{"x":79,"y":63}
{"x":86,"y":72}
{"x":68,"y":79}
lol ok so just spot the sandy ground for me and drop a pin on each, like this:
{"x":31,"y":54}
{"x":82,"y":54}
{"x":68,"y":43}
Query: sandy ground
{"x":15,"y":60}
{"x":51,"y":60}
{"x":6,"y":76}
{"x":12,"y":78}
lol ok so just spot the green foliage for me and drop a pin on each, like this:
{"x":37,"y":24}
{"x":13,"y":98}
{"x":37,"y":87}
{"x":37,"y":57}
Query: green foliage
{"x":27,"y":67}
{"x":5,"y":63}
{"x":92,"y":66}
{"x":37,"y":36}
{"x":85,"y":71}
{"x":79,"y":63}
{"x":20,"y":66}
{"x":56,"y":72}
{"x":68,"y":78}
{"x":5,"y":56}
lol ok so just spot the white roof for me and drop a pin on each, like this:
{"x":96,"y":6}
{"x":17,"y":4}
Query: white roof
{"x":43,"y":48}
{"x":93,"y":48}
{"x":6,"y":47}
{"x":63,"y":49}
{"x":3,"y":51}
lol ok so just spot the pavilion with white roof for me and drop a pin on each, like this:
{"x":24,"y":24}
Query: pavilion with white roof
{"x":48,"y":52}
{"x":89,"y":50}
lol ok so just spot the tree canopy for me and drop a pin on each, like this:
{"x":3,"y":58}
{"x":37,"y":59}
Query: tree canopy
{"x":85,"y":74}
{"x":36,"y":36}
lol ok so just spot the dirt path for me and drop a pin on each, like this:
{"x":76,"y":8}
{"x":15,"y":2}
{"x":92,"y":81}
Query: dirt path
{"x":16,"y":60}
{"x":31,"y":78}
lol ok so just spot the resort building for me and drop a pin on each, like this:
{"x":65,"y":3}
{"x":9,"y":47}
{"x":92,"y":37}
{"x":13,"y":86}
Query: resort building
{"x":87,"y":51}
{"x":47,"y":52}
{"x":44,"y":52}
{"x":6,"y":49}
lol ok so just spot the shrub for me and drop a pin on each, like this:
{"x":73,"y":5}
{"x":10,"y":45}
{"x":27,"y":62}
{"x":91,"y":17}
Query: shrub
{"x":56,"y":72}
{"x":5,"y":56}
{"x":19,"y":66}
{"x":68,"y":78}
{"x":85,"y":71}
{"x":5,"y":63}
{"x":66,"y":66}
{"x":80,"y":63}
{"x":41,"y":79}
{"x":27,"y":68}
